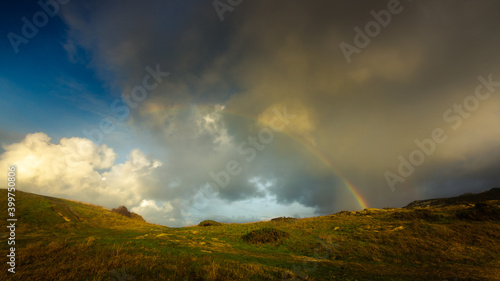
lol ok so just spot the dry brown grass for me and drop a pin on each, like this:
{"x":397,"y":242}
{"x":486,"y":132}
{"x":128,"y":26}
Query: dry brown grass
{"x":396,"y":244}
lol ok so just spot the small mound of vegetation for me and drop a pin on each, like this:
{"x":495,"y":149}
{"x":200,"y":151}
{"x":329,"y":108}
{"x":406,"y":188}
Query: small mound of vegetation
{"x":284,"y":219}
{"x":122,"y":210}
{"x":344,"y":213}
{"x":209,"y":223}
{"x":265,"y":235}
{"x":480,"y":212}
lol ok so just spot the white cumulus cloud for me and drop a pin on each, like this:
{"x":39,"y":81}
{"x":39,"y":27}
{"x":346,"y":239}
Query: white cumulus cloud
{"x":77,"y":168}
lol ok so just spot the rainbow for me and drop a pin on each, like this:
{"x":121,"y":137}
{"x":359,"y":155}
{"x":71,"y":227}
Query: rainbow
{"x":355,"y":193}
{"x":315,"y":151}
{"x":305,"y":143}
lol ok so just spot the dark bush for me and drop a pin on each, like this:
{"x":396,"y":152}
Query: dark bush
{"x":284,"y":219}
{"x":209,"y":223}
{"x":122,"y":210}
{"x":344,"y":213}
{"x":265,"y":235}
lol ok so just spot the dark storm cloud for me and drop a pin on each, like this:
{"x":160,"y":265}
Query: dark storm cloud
{"x":266,"y":54}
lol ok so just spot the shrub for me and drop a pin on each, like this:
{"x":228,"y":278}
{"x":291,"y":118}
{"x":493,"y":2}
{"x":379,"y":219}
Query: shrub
{"x":344,"y":213}
{"x":209,"y":223}
{"x":265,"y":235}
{"x":280,"y":219}
{"x":122,"y":210}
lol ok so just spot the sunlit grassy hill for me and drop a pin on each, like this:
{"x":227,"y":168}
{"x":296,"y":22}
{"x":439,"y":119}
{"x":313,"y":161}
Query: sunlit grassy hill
{"x":59,"y":239}
{"x":42,"y":214}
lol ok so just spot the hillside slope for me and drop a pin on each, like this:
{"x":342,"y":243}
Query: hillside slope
{"x":467,"y":198}
{"x":58,"y":239}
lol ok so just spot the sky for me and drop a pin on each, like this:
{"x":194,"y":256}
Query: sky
{"x":243,"y":111}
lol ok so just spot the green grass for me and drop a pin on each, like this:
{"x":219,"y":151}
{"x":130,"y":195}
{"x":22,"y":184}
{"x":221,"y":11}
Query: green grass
{"x":65,"y":240}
